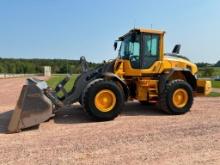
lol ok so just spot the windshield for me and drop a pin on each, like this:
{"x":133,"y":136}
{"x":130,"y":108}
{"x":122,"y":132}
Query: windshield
{"x":130,"y":47}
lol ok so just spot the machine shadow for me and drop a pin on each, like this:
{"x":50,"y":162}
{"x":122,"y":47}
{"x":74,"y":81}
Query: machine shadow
{"x":76,"y":113}
{"x":71,"y":115}
{"x":4,"y":120}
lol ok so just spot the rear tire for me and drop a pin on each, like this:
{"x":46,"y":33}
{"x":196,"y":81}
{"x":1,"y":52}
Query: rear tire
{"x":103,"y":100}
{"x":177,"y":98}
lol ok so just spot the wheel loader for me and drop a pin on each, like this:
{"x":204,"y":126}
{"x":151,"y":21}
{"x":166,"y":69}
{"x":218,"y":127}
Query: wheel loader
{"x":142,"y":71}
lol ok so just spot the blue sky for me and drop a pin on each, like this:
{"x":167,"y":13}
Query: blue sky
{"x":72,"y":28}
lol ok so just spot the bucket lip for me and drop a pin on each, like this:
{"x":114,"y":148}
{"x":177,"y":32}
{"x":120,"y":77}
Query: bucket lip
{"x":39,"y":83}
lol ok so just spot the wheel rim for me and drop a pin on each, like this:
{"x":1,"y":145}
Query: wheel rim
{"x":105,"y":100}
{"x":180,"y":98}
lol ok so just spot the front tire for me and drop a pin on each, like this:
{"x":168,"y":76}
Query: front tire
{"x":177,"y":98}
{"x":103,"y":100}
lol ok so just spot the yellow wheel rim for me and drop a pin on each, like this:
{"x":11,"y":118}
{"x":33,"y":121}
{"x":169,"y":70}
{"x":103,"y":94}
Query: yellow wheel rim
{"x":105,"y":100}
{"x":180,"y":98}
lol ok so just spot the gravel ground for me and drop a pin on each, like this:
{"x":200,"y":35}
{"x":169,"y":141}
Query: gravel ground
{"x":141,"y":135}
{"x":216,"y":90}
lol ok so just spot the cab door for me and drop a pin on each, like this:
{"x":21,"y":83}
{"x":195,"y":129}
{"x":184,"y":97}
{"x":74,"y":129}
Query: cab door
{"x":150,"y":50}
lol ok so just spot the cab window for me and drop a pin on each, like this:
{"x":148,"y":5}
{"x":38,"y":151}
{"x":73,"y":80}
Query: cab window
{"x":130,"y":50}
{"x":151,"y":49}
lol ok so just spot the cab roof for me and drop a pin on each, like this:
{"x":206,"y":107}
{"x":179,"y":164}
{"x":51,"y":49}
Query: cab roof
{"x":143,"y":30}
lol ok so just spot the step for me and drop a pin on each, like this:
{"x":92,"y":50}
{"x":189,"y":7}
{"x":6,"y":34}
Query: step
{"x":153,"y":95}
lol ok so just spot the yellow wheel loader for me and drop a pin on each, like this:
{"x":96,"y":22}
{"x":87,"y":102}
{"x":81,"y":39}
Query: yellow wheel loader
{"x":142,"y":71}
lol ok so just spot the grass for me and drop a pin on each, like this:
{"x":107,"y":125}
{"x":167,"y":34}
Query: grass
{"x":214,"y":94}
{"x":217,"y":70}
{"x":216,"y":84}
{"x":54,"y":80}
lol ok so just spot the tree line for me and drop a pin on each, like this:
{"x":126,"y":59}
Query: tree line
{"x":205,"y":64}
{"x":30,"y":66}
{"x":209,"y":70}
{"x":59,"y":66}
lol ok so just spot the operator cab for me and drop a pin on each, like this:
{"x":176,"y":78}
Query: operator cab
{"x":141,"y":47}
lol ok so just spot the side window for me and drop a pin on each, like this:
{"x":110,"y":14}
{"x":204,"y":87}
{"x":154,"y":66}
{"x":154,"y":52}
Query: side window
{"x":151,"y":49}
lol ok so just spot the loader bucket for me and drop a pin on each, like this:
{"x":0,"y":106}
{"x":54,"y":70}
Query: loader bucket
{"x":33,"y":107}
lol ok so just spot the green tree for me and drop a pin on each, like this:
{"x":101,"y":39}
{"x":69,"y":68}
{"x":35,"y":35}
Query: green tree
{"x":9,"y":65}
{"x":207,"y":72}
{"x":217,"y":64}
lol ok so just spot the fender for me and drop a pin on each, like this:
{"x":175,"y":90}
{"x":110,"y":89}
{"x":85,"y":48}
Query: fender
{"x":164,"y":78}
{"x":112,"y":76}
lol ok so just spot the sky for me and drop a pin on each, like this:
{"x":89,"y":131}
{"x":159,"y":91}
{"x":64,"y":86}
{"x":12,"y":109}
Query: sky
{"x":69,"y":29}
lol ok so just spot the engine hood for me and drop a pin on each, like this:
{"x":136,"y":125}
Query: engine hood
{"x":181,"y":62}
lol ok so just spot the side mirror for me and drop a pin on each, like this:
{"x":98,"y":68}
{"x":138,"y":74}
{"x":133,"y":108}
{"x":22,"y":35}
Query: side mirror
{"x":115,"y":45}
